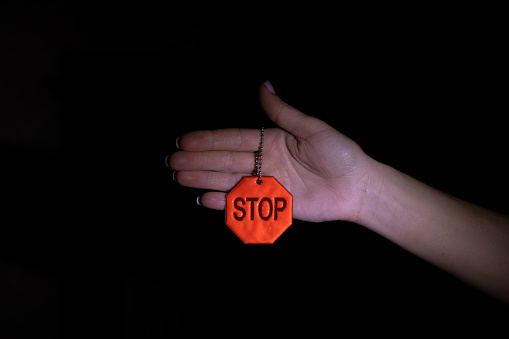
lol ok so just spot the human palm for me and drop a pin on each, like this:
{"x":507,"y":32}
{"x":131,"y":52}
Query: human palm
{"x":320,"y":170}
{"x":320,"y":167}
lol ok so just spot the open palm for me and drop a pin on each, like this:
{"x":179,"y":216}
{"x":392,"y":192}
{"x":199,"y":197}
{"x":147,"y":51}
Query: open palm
{"x":319,"y":166}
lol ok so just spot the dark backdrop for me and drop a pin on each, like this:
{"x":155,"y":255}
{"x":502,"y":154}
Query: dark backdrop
{"x":97,"y":237}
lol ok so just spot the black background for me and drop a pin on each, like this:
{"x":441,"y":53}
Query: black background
{"x":96,"y":237}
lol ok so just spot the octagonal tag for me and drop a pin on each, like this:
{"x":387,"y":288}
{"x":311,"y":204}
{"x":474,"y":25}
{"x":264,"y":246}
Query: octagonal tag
{"x":259,"y":213}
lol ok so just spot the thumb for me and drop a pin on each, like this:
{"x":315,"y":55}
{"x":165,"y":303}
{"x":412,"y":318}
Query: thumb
{"x":287,"y":117}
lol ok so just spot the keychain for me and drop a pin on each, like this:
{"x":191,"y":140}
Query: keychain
{"x":259,"y":209}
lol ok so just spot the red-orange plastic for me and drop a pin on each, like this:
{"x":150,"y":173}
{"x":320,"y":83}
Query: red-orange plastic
{"x":259,"y":213}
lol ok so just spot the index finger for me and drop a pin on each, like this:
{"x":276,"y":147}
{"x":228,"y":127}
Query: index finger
{"x":228,"y":139}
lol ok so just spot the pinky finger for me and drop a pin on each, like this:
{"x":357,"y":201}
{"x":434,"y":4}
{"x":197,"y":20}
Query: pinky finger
{"x":213,"y":200}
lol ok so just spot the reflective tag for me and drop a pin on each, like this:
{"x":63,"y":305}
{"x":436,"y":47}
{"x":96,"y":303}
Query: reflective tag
{"x":259,"y":213}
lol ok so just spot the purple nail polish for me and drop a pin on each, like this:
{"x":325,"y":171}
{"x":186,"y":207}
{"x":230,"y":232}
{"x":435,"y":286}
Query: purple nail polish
{"x":269,"y":87}
{"x":166,"y":160}
{"x":198,"y":202}
{"x":177,"y":143}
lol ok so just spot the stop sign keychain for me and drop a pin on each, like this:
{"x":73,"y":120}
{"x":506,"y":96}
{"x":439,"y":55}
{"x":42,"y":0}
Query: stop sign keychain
{"x":259,"y":209}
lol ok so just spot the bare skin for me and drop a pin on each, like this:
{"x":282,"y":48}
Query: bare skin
{"x":331,"y":178}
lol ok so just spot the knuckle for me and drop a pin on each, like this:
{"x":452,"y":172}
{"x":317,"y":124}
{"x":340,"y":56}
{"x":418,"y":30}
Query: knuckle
{"x":236,"y":138}
{"x":232,"y":180}
{"x":228,"y":161}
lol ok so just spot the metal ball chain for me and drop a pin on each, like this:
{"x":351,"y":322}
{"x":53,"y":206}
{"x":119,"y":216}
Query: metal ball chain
{"x":258,"y":160}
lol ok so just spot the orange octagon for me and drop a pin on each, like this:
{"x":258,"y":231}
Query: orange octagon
{"x":259,"y":213}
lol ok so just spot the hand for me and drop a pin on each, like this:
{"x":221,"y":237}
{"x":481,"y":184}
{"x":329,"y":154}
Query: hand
{"x":325,"y":171}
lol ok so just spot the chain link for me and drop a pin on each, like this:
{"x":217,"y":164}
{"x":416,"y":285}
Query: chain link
{"x":258,"y":160}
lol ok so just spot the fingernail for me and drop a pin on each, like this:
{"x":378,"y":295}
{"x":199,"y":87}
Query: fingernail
{"x":173,"y":175}
{"x":177,"y":143}
{"x":166,"y":160}
{"x":269,"y":87}
{"x":198,"y":201}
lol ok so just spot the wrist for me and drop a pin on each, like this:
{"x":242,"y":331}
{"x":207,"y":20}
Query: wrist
{"x":377,"y":203}
{"x":391,"y":202}
{"x":369,"y":191}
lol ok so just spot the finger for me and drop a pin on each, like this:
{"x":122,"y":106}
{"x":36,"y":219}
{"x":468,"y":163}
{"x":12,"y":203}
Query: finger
{"x":228,"y":139}
{"x":288,"y":117}
{"x":216,"y":181}
{"x":213,"y":200}
{"x":222,"y":161}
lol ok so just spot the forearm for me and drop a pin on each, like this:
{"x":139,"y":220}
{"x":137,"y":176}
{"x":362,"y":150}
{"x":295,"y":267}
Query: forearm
{"x":468,"y":241}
